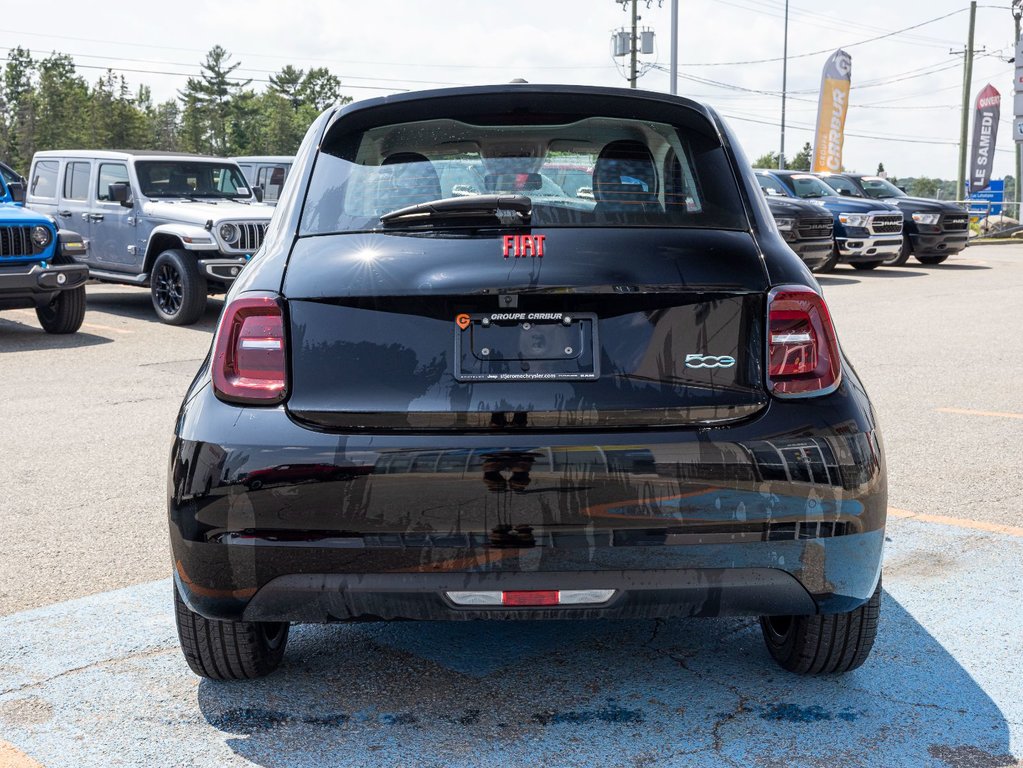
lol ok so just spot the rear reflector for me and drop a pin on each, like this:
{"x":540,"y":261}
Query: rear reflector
{"x":532,"y":597}
{"x":249,"y":354}
{"x":802,"y":349}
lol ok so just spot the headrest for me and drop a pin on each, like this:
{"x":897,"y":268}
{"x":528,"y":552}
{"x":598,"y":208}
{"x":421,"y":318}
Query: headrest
{"x":625,"y":173}
{"x":411,"y":180}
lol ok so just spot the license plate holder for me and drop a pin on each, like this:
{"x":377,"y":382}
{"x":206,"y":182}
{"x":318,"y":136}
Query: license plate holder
{"x":527,"y":346}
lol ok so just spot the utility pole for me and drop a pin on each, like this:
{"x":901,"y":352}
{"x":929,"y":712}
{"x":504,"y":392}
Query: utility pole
{"x":674,"y":53}
{"x":965,"y":116}
{"x":784,"y":87}
{"x":633,"y":46}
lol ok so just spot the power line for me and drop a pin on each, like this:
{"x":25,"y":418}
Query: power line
{"x":823,"y":50}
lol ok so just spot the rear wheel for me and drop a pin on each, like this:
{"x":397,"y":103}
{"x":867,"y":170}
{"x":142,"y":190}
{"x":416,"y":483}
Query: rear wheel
{"x":933,"y":259}
{"x":178,"y":288}
{"x":824,"y":644}
{"x":65,"y":313}
{"x":901,"y":257}
{"x":863,"y":265}
{"x":229,"y":650}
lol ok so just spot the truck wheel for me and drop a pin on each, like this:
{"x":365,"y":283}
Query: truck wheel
{"x":229,"y":650}
{"x":829,"y":264}
{"x":823,"y":644}
{"x":65,"y":313}
{"x":933,"y":259}
{"x":178,"y":288}
{"x":862,"y":265}
{"x":901,"y":257}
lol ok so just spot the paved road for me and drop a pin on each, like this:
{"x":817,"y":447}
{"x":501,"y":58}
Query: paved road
{"x":90,"y":673}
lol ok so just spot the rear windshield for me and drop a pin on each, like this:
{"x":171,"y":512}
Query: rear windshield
{"x":577,"y":170}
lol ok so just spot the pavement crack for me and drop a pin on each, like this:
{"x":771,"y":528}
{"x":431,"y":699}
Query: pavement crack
{"x":74,"y":670}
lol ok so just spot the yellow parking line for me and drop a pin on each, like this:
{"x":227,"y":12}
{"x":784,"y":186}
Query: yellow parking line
{"x":98,"y":327}
{"x":968,"y":412}
{"x":12,"y":757}
{"x":957,"y":522}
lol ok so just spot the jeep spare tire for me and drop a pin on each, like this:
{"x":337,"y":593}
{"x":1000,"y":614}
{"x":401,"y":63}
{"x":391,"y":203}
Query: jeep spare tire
{"x":178,"y":288}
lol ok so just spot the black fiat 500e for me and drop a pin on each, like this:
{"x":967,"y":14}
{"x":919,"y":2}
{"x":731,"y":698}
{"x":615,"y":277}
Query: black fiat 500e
{"x":448,"y":388}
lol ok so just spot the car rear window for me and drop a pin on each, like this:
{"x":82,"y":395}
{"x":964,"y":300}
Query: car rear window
{"x":597,"y":167}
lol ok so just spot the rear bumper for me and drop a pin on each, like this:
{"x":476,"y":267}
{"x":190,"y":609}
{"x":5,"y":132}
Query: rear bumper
{"x":781,"y":513}
{"x":637,"y":594}
{"x":870,"y":248}
{"x":932,"y":245}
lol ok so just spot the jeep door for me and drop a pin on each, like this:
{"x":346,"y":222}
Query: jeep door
{"x":112,"y":226}
{"x":73,"y":207}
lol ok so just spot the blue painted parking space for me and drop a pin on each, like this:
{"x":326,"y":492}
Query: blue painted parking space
{"x":100,"y":681}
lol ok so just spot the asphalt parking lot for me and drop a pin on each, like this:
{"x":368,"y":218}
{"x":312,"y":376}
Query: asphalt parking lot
{"x":91,"y":675}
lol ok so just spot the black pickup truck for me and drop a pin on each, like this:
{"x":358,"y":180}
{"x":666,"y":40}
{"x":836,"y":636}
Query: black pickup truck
{"x":808,"y":230}
{"x":933,"y":229}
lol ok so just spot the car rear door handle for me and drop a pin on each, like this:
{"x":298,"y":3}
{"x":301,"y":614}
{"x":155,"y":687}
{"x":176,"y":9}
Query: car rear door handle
{"x":95,"y":217}
{"x":64,"y":214}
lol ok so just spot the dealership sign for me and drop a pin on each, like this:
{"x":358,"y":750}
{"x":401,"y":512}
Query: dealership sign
{"x":985,"y":132}
{"x":831,"y":112}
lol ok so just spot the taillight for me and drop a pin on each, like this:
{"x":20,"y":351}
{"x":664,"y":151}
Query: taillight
{"x":249,"y":361}
{"x":802,"y":350}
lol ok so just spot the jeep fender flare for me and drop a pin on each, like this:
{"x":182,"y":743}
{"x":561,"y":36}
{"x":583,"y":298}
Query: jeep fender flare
{"x":183,"y":236}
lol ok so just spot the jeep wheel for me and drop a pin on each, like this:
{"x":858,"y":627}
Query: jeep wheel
{"x":901,"y":257}
{"x":178,"y":288}
{"x":65,"y":313}
{"x":936,"y":258}
{"x":862,"y":265}
{"x":823,"y":644}
{"x":829,"y":264}
{"x":229,"y":650}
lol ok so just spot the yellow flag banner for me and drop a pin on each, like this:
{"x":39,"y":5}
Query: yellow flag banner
{"x":831,"y":111}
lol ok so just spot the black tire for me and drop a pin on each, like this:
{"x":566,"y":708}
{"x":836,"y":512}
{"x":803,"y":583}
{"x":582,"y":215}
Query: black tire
{"x":933,"y":259}
{"x":825,"y":644}
{"x":65,"y":313}
{"x":229,"y":650}
{"x":864,"y":265}
{"x":901,"y":257}
{"x":178,"y":288}
{"x":829,"y":264}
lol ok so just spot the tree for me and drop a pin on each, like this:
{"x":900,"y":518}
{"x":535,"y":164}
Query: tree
{"x":320,"y":89}
{"x":768,"y":160}
{"x":803,"y":159}
{"x":207,"y":98}
{"x":19,"y":111}
{"x":880,"y":170}
{"x":289,"y":84}
{"x":62,"y":105}
{"x":165,"y":127}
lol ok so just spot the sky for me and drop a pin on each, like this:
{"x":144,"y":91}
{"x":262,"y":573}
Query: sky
{"x":906,"y":88}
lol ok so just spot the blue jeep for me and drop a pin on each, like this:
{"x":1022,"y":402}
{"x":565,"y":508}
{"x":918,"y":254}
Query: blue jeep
{"x":868,"y":233}
{"x":38,"y":266}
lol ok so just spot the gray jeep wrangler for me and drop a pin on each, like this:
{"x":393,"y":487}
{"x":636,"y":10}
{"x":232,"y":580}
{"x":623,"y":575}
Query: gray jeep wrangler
{"x":183,"y":225}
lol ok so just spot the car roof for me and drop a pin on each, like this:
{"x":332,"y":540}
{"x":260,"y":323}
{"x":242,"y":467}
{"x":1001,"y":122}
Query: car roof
{"x":264,"y":159}
{"x":122,"y":154}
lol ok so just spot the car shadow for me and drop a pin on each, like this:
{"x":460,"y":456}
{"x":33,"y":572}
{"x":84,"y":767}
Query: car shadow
{"x":829,"y":280}
{"x":871,"y":274}
{"x":947,"y":266}
{"x":21,"y":337}
{"x":138,"y":305}
{"x":700,"y":691}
